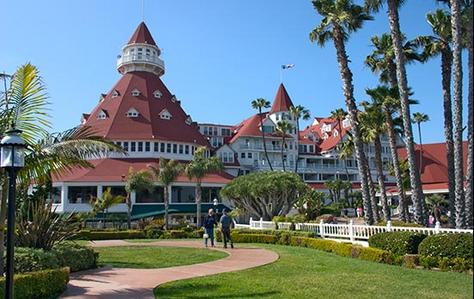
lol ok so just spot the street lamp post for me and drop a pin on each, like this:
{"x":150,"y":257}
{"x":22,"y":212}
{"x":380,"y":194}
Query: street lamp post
{"x":215,"y":202}
{"x":12,"y":158}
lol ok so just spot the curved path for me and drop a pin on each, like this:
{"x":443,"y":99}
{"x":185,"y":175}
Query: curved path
{"x":108,"y":282}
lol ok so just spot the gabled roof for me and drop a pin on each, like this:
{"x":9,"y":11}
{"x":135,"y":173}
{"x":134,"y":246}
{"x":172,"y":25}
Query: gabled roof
{"x":142,"y":36}
{"x":332,"y":141}
{"x":282,"y":100}
{"x":148,"y":125}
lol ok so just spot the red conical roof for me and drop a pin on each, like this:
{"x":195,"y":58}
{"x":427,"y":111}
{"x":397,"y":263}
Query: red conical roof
{"x":282,"y":100}
{"x":148,"y":125}
{"x":142,"y":36}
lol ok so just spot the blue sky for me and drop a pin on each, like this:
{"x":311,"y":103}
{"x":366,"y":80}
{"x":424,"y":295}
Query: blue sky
{"x":219,"y":55}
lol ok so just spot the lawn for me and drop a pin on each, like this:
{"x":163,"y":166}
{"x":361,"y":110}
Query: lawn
{"x":309,"y":273}
{"x":147,"y":257}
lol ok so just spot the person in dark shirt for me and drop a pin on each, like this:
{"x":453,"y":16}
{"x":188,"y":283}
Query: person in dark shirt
{"x":226,"y":224}
{"x":209,"y":224}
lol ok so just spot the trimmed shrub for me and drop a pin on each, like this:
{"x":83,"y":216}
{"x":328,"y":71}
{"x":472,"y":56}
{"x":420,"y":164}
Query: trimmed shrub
{"x":400,"y":223}
{"x":38,"y":285}
{"x":31,"y":259}
{"x":75,"y":256}
{"x":254,"y":238}
{"x":375,"y":255}
{"x":447,"y":245}
{"x":110,"y":234}
{"x":411,"y":260}
{"x":399,"y":243}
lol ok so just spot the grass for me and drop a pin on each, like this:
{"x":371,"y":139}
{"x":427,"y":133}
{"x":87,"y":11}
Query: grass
{"x":309,"y":273}
{"x":148,"y":257}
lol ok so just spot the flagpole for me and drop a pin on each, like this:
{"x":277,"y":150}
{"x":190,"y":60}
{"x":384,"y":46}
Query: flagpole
{"x":281,"y":74}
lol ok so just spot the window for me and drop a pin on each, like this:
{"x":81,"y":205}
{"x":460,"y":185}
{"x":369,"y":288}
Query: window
{"x":346,"y":123}
{"x":82,"y":194}
{"x":175,"y":148}
{"x":225,"y":132}
{"x":162,"y":147}
{"x":116,"y":191}
{"x":147,"y":146}
{"x":192,"y":150}
{"x":135,"y":92}
{"x":206,"y":132}
{"x":133,"y":145}
{"x":165,"y":114}
{"x":157,"y":94}
{"x":173,"y":98}
{"x":115,"y":93}
{"x":311,"y":148}
{"x":249,"y":155}
{"x":267,"y":129}
{"x":168,"y":147}
{"x":150,"y":197}
{"x":118,"y":143}
{"x":186,"y":149}
{"x":140,"y":146}
{"x":155,"y":146}
{"x":102,"y":115}
{"x":55,"y":195}
{"x":180,"y":149}
{"x":188,"y":120}
{"x":215,"y":131}
{"x":242,"y":155}
{"x":181,"y":194}
{"x":125,"y":146}
{"x":132,"y":113}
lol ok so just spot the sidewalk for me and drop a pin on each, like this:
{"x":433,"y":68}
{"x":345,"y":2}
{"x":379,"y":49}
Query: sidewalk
{"x":119,"y":283}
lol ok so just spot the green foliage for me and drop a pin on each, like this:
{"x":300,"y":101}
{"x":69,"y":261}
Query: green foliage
{"x":411,"y":260}
{"x":400,"y":223}
{"x":75,"y":256}
{"x":266,"y":194}
{"x":374,"y":255}
{"x":254,"y":238}
{"x":202,"y":165}
{"x":447,"y":245}
{"x":399,"y":243}
{"x":447,"y":264}
{"x":31,"y":259}
{"x":38,"y":226}
{"x":38,"y":285}
{"x":109,"y":235}
{"x":106,"y":201}
{"x":336,"y":187}
{"x":309,"y":204}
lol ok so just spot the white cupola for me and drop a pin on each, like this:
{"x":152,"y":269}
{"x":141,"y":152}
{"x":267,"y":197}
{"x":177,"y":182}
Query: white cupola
{"x":141,"y":54}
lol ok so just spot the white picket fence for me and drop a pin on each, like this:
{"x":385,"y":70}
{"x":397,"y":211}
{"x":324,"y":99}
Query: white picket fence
{"x":350,"y":231}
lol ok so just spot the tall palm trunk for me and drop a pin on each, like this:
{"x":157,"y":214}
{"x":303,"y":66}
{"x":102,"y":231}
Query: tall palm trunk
{"x":470,"y":135}
{"x":297,"y":144}
{"x":457,"y":101}
{"x":198,"y":204}
{"x":446,"y":61}
{"x":129,"y":211}
{"x":263,"y":138}
{"x":167,"y":206}
{"x":417,"y":192}
{"x":346,"y":76}
{"x":403,"y":204}
{"x":380,"y":177}
{"x":373,"y":196}
{"x":282,"y":147}
{"x":420,"y":167}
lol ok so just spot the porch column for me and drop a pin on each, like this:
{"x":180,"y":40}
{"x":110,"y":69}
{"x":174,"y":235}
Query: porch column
{"x":100,"y":190}
{"x":64,"y":198}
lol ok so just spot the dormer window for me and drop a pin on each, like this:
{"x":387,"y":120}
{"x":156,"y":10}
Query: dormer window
{"x":102,"y":114}
{"x":346,"y":123}
{"x":165,"y":114}
{"x":115,"y":93}
{"x":157,"y":94}
{"x":135,"y":92}
{"x":335,"y":133}
{"x":132,"y":112}
{"x":325,"y":135}
{"x":102,"y":97}
{"x":173,"y":98}
{"x":326,"y":128}
{"x":188,"y":120}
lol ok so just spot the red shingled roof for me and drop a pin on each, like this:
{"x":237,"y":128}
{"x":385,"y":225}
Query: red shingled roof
{"x":434,"y":169}
{"x":282,"y":100}
{"x":330,"y":142}
{"x":111,"y":170}
{"x":142,"y":36}
{"x":148,"y":125}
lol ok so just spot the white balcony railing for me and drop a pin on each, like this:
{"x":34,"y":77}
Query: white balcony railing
{"x":153,"y":59}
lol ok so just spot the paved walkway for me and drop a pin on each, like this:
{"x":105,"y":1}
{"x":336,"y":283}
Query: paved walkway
{"x":116,"y":283}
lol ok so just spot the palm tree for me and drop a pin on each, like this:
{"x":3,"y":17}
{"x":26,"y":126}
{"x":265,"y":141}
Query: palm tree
{"x":435,"y":202}
{"x":397,"y":39}
{"x":418,"y":118}
{"x":373,"y":125}
{"x":136,"y":182}
{"x":299,"y":112}
{"x":339,"y":114}
{"x":198,"y":168}
{"x":259,"y":104}
{"x":439,"y":45}
{"x":283,"y":128}
{"x":166,"y":174}
{"x":340,"y":18}
{"x":470,"y":120}
{"x":105,"y":202}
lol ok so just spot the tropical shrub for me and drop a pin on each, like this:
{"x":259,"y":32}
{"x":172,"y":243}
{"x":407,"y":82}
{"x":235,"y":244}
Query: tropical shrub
{"x":399,"y":243}
{"x":31,"y":259}
{"x":38,"y":285}
{"x":75,"y":256}
{"x":447,"y":252}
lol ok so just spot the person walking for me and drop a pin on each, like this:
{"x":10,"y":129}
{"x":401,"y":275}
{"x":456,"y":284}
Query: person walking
{"x":226,"y":223}
{"x":209,"y":224}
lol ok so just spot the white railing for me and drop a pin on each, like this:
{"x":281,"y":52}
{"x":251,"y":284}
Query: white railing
{"x":350,"y":231}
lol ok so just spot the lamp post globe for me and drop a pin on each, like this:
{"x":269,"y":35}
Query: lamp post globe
{"x":12,"y":159}
{"x":215,"y":203}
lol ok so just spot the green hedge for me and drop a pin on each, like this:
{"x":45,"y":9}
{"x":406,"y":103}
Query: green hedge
{"x":31,"y":259}
{"x":399,"y":243}
{"x":282,"y":236}
{"x":447,"y":252}
{"x":75,"y":256}
{"x":110,"y":235}
{"x":38,"y":285}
